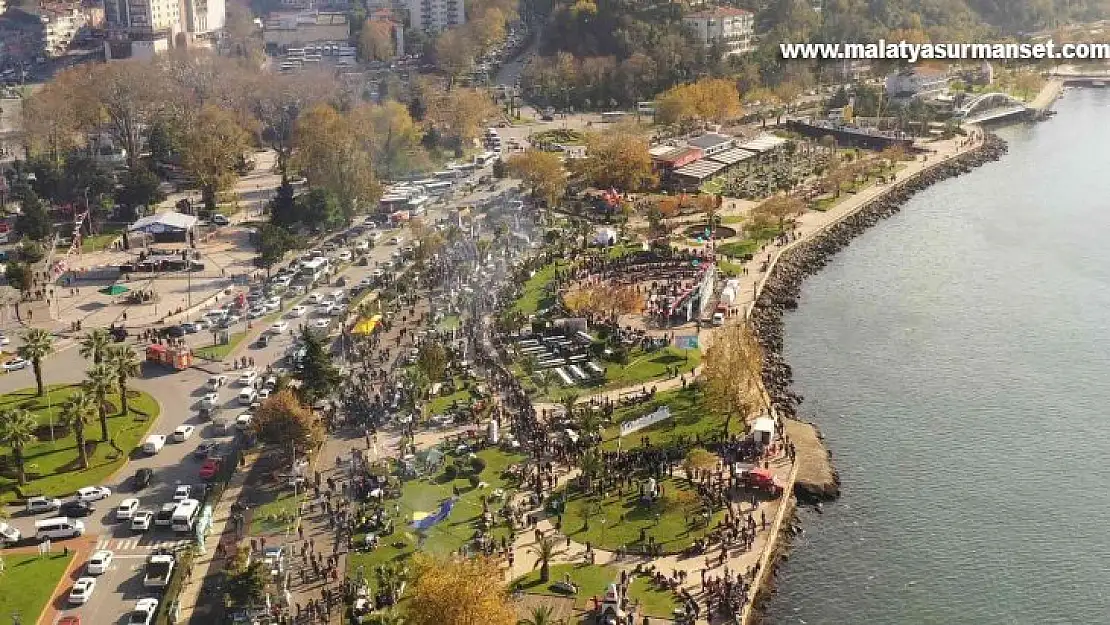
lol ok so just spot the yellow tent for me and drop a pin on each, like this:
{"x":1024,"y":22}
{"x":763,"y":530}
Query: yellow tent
{"x":367,"y":326}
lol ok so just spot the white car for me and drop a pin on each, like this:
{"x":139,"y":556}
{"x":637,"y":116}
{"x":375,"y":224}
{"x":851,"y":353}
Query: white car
{"x":248,"y":377}
{"x":337,"y":310}
{"x":344,"y":256}
{"x":395,"y":240}
{"x":274,"y":303}
{"x":314,"y":298}
{"x":181,"y":493}
{"x":99,"y":562}
{"x":324,"y":309}
{"x":93,"y":493}
{"x":82,"y":590}
{"x":141,"y":521}
{"x":257,"y":312}
{"x":4,"y":340}
{"x":270,"y":383}
{"x":144,"y":611}
{"x":42,"y":504}
{"x":183,"y":432}
{"x":280,"y":327}
{"x":127,"y":508}
{"x":298,"y":311}
{"x":264,"y":393}
{"x":209,"y":400}
{"x":15,"y":364}
{"x":362,"y":246}
{"x":321,"y":324}
{"x":243,"y":421}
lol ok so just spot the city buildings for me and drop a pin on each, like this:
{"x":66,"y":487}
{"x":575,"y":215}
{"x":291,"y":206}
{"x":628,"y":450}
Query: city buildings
{"x":733,"y":28}
{"x":432,"y":16}
{"x":917,"y":82}
{"x":285,"y":30}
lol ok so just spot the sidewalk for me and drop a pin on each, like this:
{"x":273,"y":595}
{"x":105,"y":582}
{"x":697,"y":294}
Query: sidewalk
{"x":191,"y":605}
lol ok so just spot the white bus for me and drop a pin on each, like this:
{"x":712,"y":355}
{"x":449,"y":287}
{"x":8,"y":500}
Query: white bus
{"x":484,"y":158}
{"x":185,"y":515}
{"x":314,"y":269}
{"x":613,"y":116}
{"x":294,"y":52}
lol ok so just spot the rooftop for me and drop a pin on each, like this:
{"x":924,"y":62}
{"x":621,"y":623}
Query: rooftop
{"x":700,"y":170}
{"x":160,"y":222}
{"x":719,"y":12}
{"x":710,"y":140}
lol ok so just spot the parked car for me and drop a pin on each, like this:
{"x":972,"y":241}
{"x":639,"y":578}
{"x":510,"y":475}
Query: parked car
{"x":141,"y":520}
{"x":93,"y":493}
{"x":142,"y":478}
{"x":99,"y":562}
{"x":42,"y":504}
{"x":82,"y":590}
{"x":77,"y":508}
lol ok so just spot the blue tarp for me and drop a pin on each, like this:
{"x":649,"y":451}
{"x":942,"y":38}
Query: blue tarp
{"x":441,"y":514}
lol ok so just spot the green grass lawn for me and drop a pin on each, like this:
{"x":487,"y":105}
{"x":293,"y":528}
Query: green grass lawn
{"x":615,"y":520}
{"x":449,"y":323}
{"x":424,"y":495}
{"x":98,"y":242}
{"x":750,"y":244}
{"x":52,"y":465}
{"x":28,"y":583}
{"x":219,"y":352}
{"x":689,"y":419}
{"x":730,"y":269}
{"x":593,"y":580}
{"x":440,"y":404}
{"x":642,"y":369}
{"x":277,"y":515}
{"x":536,"y":294}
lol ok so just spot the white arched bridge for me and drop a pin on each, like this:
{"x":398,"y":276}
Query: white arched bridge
{"x":989,"y":106}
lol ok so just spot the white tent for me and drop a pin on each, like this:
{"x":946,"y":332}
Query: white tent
{"x":605,"y":236}
{"x":764,"y":430}
{"x":728,"y":296}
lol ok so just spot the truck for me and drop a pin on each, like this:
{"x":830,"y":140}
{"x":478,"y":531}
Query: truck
{"x":159,"y":568}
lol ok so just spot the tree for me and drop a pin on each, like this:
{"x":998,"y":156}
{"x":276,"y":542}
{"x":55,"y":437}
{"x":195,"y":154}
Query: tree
{"x":213,"y":146}
{"x":139,"y":187}
{"x":617,"y":160}
{"x":20,"y":276}
{"x":282,"y":420}
{"x":568,"y":401}
{"x":733,"y":373}
{"x":33,"y":221}
{"x":699,"y":460}
{"x":540,"y":615}
{"x":317,"y":375}
{"x":246,"y":585}
{"x":74,"y":415}
{"x":392,"y":136}
{"x":273,"y":243}
{"x":125,"y":365}
{"x":454,"y":54}
{"x":17,"y":430}
{"x":283,"y":208}
{"x":332,"y":155}
{"x":780,"y":208}
{"x":100,"y":381}
{"x":375,"y":42}
{"x":545,"y":551}
{"x":458,"y":115}
{"x":458,"y":592}
{"x":277,"y":102}
{"x":52,"y":117}
{"x":432,"y":360}
{"x":710,"y":99}
{"x":128,"y":96}
{"x":94,"y":344}
{"x":37,"y":345}
{"x":319,"y":209}
{"x":543,"y":172}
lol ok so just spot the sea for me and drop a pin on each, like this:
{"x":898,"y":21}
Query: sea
{"x":957,"y":359}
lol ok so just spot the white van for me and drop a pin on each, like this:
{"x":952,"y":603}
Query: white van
{"x":58,"y":528}
{"x":247,"y":395}
{"x":154,"y":444}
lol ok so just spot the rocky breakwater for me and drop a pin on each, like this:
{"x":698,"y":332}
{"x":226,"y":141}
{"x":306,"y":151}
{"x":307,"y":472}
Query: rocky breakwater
{"x":817,"y":480}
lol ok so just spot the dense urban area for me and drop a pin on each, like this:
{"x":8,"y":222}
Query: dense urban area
{"x":433,"y":311}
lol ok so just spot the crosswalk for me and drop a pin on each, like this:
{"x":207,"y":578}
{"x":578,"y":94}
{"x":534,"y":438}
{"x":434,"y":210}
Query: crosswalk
{"x":133,"y":544}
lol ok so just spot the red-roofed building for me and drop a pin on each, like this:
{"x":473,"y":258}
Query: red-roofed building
{"x":729,"y":26}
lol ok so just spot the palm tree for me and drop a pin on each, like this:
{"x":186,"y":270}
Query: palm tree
{"x":101,"y":381}
{"x":94,"y":344}
{"x":544,"y":550}
{"x":567,"y":401}
{"x":121,"y":358}
{"x":540,"y":615}
{"x":75,"y":413}
{"x":37,"y":344}
{"x":17,"y":430}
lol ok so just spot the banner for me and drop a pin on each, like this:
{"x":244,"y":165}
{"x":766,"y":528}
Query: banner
{"x":424,"y":523}
{"x":662,"y":414}
{"x":686,"y":341}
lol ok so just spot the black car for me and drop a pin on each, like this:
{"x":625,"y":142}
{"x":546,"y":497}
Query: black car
{"x":76,"y":509}
{"x":142,"y":478}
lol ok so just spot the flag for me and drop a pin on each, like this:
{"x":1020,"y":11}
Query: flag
{"x":424,"y":523}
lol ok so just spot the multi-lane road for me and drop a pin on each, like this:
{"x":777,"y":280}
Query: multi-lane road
{"x":179,"y":395}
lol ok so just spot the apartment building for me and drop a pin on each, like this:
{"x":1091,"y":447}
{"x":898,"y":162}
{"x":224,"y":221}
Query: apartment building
{"x":731,"y":27}
{"x":432,"y":16}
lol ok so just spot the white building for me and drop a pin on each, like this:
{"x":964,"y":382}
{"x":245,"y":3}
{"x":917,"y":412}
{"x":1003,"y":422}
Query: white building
{"x":729,"y":26}
{"x":918,"y":82}
{"x":204,"y":17}
{"x":433,"y":16}
{"x":142,"y":17}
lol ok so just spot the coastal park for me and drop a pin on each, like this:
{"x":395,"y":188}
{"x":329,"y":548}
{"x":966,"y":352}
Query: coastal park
{"x":44,"y":432}
{"x":27,"y":582}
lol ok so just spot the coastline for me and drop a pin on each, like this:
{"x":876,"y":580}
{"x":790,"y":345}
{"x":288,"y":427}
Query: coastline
{"x":814,"y":478}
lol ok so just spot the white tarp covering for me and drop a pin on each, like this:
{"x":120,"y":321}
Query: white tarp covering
{"x":639,"y":423}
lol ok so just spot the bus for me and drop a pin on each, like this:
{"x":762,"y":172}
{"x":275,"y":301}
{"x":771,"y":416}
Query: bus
{"x":438,"y":188}
{"x":294,"y":52}
{"x":485,"y":158}
{"x":314,"y":269}
{"x":185,"y":515}
{"x":613,"y":116}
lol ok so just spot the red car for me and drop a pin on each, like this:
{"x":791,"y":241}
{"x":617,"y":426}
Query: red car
{"x":70,"y":620}
{"x":209,"y":469}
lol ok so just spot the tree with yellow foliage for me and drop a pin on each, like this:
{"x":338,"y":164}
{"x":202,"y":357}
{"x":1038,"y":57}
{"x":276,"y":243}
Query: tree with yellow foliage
{"x":543,"y":172}
{"x":458,"y":592}
{"x":733,"y":373}
{"x":375,"y":41}
{"x":780,"y":208}
{"x":619,"y":160}
{"x":709,"y":99}
{"x":336,"y":154}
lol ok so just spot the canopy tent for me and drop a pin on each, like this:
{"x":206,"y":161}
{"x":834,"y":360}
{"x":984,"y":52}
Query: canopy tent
{"x":164,"y":222}
{"x":366,"y":327}
{"x":115,"y":289}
